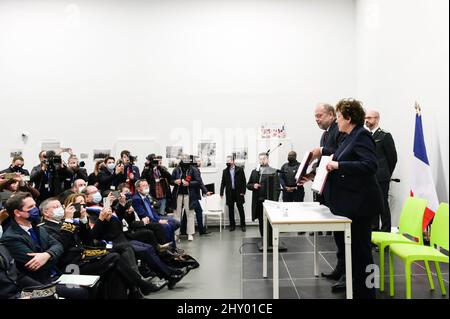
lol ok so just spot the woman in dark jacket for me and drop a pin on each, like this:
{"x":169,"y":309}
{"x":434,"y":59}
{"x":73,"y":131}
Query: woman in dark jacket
{"x":351,"y":189}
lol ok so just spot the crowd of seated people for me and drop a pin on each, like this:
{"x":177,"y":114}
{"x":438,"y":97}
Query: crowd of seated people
{"x":61,"y":220}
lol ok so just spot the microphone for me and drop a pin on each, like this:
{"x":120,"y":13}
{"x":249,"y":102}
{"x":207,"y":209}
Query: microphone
{"x":270,"y":151}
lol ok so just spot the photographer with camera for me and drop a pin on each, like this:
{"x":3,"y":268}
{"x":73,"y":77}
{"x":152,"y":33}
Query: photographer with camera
{"x":111,"y":175}
{"x":16,"y":184}
{"x":159,"y":178}
{"x":186,"y":193}
{"x":49,"y":176}
{"x":131,"y":171}
{"x":78,"y":172}
{"x":16,"y":166}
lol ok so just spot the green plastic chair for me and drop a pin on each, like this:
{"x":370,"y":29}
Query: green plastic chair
{"x":411,"y":218}
{"x":412,"y":253}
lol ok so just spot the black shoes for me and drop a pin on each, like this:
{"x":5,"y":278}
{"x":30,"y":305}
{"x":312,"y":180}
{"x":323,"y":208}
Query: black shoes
{"x":232,"y":228}
{"x":205,"y":232}
{"x":243,"y":229}
{"x":177,"y":276}
{"x":334,"y":275}
{"x":339,"y":285}
{"x":148,"y":287}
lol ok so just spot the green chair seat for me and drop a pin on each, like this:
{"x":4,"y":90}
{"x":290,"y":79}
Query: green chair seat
{"x":386,"y":238}
{"x":417,"y":252}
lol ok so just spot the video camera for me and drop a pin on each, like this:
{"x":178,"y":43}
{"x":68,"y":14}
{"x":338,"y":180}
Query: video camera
{"x":52,"y":160}
{"x":187,"y":162}
{"x":153,"y":160}
{"x":133,"y":159}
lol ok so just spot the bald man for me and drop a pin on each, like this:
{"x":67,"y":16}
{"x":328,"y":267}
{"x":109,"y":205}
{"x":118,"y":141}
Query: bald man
{"x":387,"y":159}
{"x":291,"y":191}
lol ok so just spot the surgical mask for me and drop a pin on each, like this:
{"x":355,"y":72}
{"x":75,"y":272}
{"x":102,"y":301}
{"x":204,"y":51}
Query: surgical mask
{"x":228,"y":165}
{"x":17,"y":169}
{"x":81,"y":189}
{"x":35,"y":215}
{"x":111,"y":166}
{"x":58,"y":213}
{"x":145,"y":191}
{"x":291,"y":159}
{"x":97,"y":198}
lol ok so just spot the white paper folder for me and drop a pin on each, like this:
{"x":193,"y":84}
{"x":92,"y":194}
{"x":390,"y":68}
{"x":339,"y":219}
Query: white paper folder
{"x":321,"y":174}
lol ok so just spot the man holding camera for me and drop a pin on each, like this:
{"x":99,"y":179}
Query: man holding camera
{"x":159,"y":178}
{"x":49,"y":176}
{"x":186,"y":193}
{"x":130,"y":170}
{"x":110,"y":176}
{"x":78,"y":172}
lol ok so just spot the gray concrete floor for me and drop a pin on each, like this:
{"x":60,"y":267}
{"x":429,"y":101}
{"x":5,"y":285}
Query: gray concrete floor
{"x":219,"y":274}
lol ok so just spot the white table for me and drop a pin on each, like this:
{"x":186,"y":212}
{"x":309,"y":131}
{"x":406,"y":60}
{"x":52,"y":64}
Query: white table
{"x":304,"y":217}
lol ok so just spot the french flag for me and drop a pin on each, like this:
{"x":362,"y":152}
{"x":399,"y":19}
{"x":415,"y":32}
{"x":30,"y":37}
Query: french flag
{"x":422,"y":179}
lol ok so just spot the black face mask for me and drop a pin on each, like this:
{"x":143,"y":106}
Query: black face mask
{"x":291,"y":159}
{"x":17,"y":169}
{"x":228,"y":165}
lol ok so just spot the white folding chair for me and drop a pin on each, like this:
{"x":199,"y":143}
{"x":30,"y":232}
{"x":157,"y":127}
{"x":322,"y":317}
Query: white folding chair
{"x":213,"y":206}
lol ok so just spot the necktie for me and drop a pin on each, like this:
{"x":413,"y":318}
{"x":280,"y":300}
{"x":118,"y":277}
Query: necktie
{"x":34,"y":237}
{"x":149,"y":209}
{"x":324,"y":138}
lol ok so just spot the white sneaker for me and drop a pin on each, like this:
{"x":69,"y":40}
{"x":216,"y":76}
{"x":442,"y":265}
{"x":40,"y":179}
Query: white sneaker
{"x":190,"y":237}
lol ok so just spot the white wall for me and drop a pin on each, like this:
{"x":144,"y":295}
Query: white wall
{"x":92,"y":72}
{"x":402,"y":57}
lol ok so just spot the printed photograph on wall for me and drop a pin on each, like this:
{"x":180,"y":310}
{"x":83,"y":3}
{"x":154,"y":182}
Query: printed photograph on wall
{"x":207,"y":153}
{"x":15,"y":153}
{"x":273,"y":130}
{"x":101,"y":154}
{"x":174,"y":151}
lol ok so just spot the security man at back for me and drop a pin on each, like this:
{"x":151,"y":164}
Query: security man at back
{"x":234,"y":184}
{"x":387,"y":159}
{"x":291,"y":191}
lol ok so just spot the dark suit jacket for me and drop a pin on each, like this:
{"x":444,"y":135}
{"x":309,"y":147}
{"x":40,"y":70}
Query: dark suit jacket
{"x":106,"y":179}
{"x":386,"y":154}
{"x":139,"y":207}
{"x":240,"y":185}
{"x":19,"y":244}
{"x":352,"y":190}
{"x":333,"y":140}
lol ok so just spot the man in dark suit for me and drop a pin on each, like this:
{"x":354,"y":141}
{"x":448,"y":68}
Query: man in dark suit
{"x":387,"y":159}
{"x":265,"y":184}
{"x":325,"y":117}
{"x":36,"y":253}
{"x":143,"y":207}
{"x":234,"y":184}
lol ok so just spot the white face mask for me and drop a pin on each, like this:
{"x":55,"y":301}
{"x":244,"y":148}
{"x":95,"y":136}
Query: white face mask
{"x":111,"y":166}
{"x":145,"y":191}
{"x":81,"y":189}
{"x":97,"y":197}
{"x":58,"y":213}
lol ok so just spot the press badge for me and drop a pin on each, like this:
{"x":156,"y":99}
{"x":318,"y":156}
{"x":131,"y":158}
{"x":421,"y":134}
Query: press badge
{"x":157,"y":180}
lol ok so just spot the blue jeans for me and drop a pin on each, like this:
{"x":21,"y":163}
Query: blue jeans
{"x":162,"y":206}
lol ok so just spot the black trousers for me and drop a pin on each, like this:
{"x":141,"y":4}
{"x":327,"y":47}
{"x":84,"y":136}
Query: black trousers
{"x":339,"y":239}
{"x":295,"y":196}
{"x":240,"y":207}
{"x":385,"y":213}
{"x":259,"y":212}
{"x":361,"y":257}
